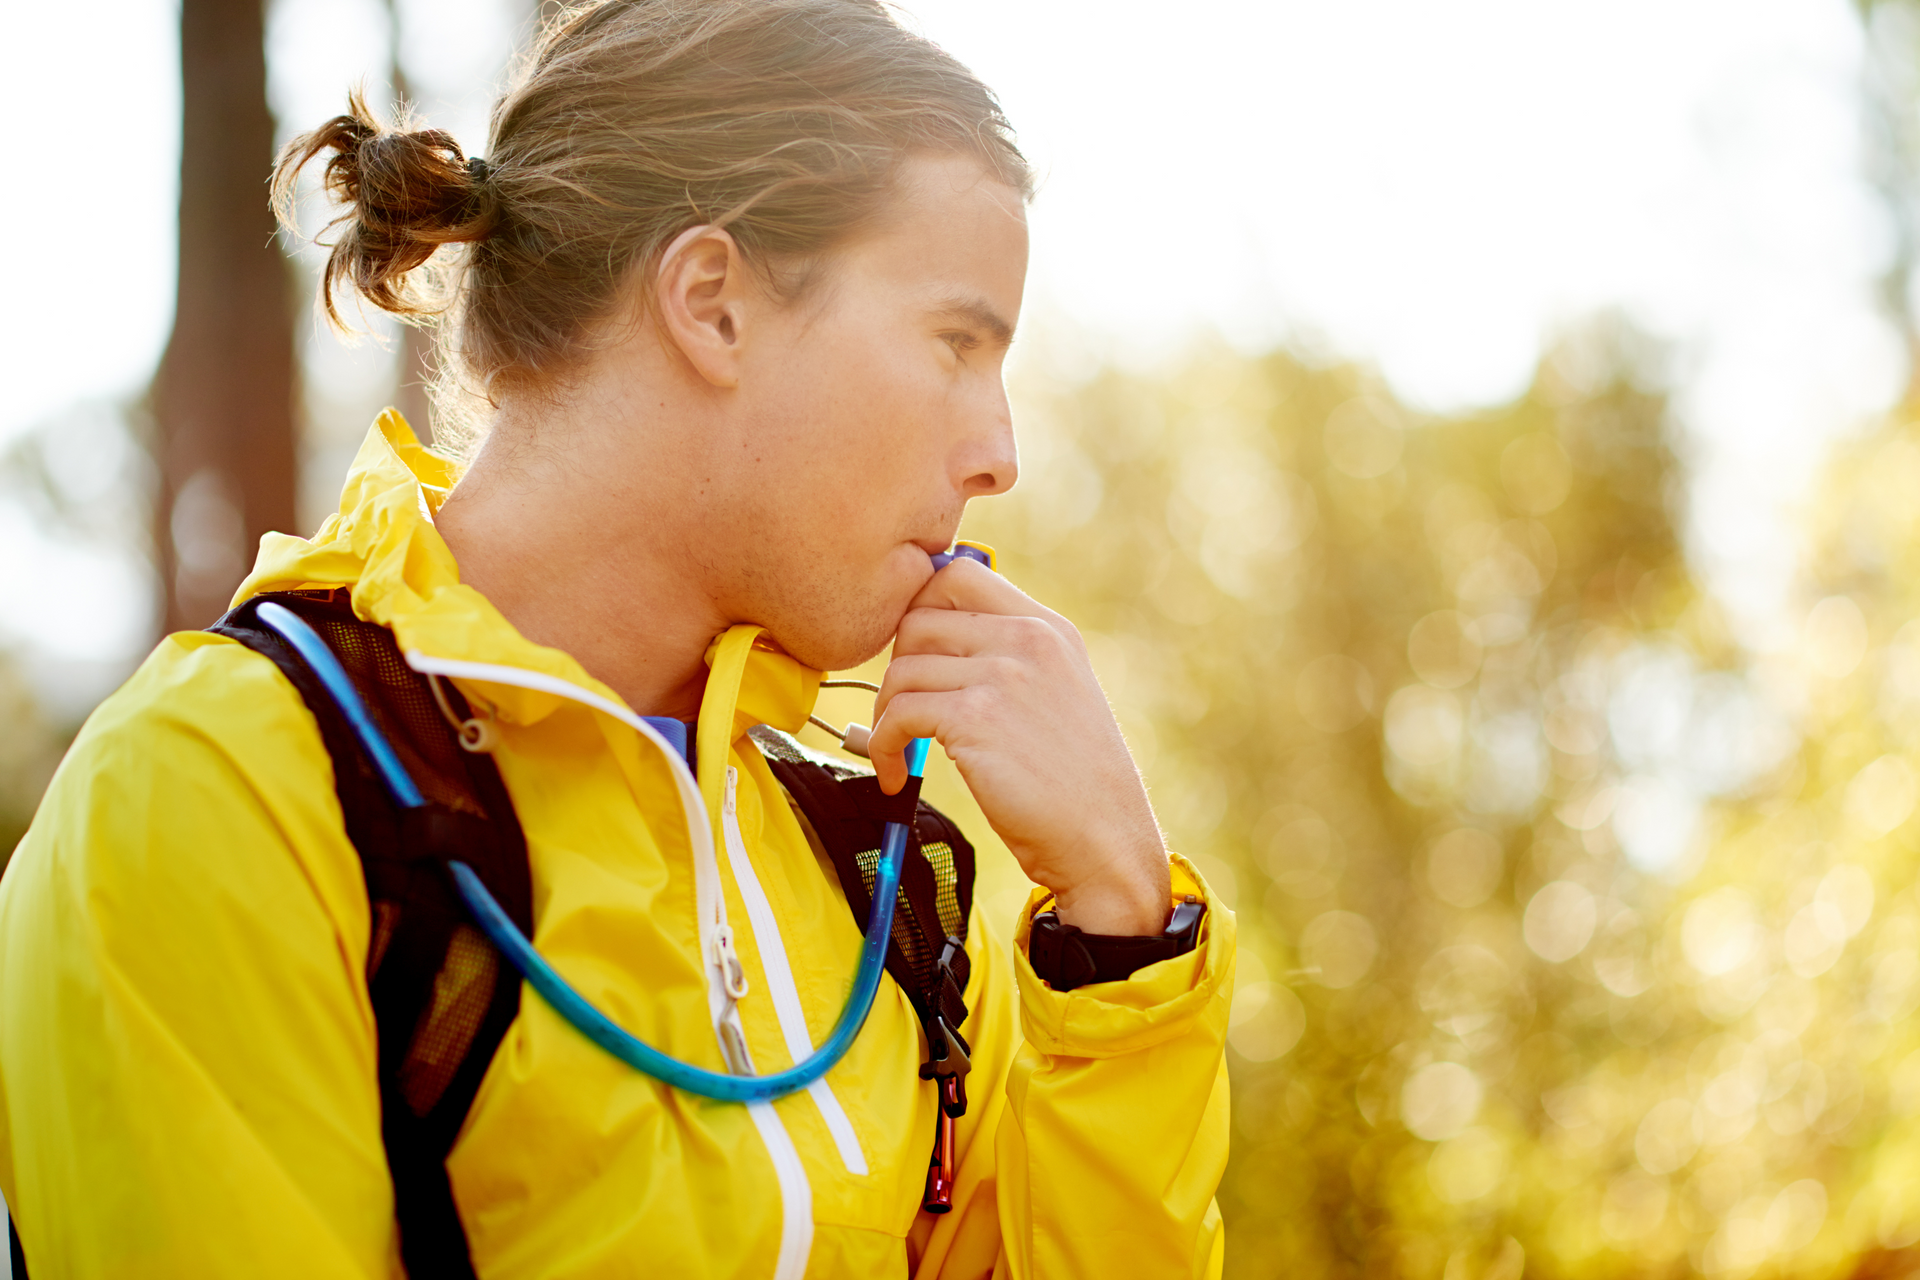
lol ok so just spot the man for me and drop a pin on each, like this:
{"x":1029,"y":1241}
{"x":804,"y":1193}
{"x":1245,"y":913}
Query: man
{"x":734,"y":480}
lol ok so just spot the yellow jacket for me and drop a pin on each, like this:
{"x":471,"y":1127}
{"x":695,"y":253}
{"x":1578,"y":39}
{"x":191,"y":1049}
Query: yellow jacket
{"x":187,"y":1082}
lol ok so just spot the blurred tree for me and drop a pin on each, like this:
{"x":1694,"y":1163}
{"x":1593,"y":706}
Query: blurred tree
{"x":1577,"y":940}
{"x":1362,"y":659}
{"x":1411,"y":690}
{"x":419,"y":360}
{"x":80,"y":479}
{"x":29,"y":750}
{"x":223,"y":397}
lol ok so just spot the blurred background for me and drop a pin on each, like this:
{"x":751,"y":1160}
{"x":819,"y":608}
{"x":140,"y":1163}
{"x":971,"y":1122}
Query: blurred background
{"x":1480,"y":443}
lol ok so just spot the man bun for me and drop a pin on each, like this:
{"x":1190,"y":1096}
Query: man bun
{"x":403,"y":192}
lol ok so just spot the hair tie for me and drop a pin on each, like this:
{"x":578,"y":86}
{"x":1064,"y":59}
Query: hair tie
{"x":478,"y":169}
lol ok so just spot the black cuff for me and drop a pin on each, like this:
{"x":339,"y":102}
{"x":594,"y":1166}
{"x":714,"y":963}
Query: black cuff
{"x":1066,"y":958}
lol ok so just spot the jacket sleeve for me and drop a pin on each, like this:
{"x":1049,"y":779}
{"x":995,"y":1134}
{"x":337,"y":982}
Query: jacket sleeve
{"x":1101,"y":1128}
{"x":186,"y":1049}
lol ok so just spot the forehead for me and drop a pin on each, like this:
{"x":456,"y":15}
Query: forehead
{"x":951,"y":228}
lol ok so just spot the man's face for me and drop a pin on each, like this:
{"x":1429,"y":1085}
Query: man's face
{"x":870,"y":410}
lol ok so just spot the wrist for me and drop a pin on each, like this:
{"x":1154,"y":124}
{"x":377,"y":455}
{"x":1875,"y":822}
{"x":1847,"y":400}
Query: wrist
{"x":1065,"y":958}
{"x":1135,"y":905}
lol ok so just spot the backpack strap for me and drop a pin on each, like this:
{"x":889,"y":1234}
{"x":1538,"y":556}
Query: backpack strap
{"x":441,"y":997}
{"x":927,"y":956}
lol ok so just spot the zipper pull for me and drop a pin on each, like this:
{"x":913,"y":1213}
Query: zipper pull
{"x":733,"y":974}
{"x":733,"y":1045}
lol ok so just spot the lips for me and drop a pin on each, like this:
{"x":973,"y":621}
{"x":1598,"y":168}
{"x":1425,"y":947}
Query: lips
{"x":933,"y":547}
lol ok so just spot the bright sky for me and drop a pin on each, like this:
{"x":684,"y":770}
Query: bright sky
{"x":1432,"y":187}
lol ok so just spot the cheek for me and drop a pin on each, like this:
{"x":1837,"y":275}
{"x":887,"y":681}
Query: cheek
{"x":885,"y":404}
{"x":860,"y":413}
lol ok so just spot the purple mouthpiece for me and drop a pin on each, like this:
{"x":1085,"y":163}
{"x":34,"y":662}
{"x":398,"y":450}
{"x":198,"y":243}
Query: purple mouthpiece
{"x":959,"y":552}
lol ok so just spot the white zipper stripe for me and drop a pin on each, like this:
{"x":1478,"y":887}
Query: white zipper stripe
{"x":780,"y":984}
{"x":796,"y":1193}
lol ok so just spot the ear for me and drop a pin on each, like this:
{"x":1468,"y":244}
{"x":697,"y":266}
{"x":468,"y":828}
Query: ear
{"x":701,"y":290}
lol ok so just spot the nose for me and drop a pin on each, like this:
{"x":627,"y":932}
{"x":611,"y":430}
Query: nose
{"x":988,"y":462}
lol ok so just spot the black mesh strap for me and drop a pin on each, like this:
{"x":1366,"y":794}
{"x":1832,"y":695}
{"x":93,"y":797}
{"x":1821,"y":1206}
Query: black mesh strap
{"x":442,"y":998}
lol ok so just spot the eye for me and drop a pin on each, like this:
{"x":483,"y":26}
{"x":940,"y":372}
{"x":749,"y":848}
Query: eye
{"x":960,"y":340}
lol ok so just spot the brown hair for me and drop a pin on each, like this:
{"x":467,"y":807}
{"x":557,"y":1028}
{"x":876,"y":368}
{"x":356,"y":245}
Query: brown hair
{"x":784,"y":121}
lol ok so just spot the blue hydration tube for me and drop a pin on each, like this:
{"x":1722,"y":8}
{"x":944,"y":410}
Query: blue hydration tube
{"x":554,"y":989}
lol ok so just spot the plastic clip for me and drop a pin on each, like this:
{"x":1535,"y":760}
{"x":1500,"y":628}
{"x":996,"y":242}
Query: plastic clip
{"x":949,"y":1059}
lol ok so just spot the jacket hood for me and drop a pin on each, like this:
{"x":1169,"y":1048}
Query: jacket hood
{"x":382,"y":545}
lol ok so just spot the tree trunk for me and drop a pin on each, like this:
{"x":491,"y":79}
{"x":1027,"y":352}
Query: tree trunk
{"x":224,"y":395}
{"x":419,"y":358}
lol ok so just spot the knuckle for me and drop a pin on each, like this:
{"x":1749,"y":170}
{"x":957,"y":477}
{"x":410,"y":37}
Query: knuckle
{"x":979,"y":701}
{"x":1007,"y":671}
{"x":1048,"y":644}
{"x":1032,"y":637}
{"x":1067,"y":632}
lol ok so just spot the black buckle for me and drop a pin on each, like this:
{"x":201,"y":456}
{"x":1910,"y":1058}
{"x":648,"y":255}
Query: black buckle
{"x":949,"y":1056}
{"x":949,"y":1059}
{"x":1184,"y":927}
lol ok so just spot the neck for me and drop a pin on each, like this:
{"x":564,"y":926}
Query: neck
{"x":528,"y":525}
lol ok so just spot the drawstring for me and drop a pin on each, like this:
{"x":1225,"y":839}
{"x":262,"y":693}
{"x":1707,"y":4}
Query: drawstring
{"x":476,"y":734}
{"x":855,"y":736}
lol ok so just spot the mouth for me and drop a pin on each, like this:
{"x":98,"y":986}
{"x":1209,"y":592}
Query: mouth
{"x":932,"y":546}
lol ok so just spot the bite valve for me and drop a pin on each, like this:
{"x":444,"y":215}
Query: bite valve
{"x":977,"y":551}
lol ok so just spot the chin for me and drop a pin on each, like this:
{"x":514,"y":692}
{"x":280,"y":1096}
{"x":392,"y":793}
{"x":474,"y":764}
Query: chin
{"x":841,"y":635}
{"x":838,"y":621}
{"x":838,"y":650}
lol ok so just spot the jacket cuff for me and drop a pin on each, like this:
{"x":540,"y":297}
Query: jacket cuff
{"x":1158,"y":1003}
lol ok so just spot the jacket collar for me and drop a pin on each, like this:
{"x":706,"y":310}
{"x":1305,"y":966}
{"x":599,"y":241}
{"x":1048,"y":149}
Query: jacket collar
{"x":382,"y":544}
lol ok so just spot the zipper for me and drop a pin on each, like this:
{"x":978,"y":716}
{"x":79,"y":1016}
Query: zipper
{"x":781,"y":988}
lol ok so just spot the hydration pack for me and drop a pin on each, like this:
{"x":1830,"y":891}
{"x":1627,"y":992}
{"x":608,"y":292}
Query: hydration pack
{"x":443,"y":997}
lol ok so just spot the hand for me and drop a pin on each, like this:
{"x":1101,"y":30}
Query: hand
{"x":1005,"y":685}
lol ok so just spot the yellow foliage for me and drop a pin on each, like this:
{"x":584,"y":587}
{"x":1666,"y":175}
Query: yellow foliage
{"x":1576,"y":942}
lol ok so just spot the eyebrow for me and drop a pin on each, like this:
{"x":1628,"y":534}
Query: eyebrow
{"x":976,"y":312}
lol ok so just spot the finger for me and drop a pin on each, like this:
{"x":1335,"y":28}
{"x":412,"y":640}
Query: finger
{"x":968,"y":584}
{"x":959,"y":634}
{"x":925,"y":673}
{"x":908,"y":716}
